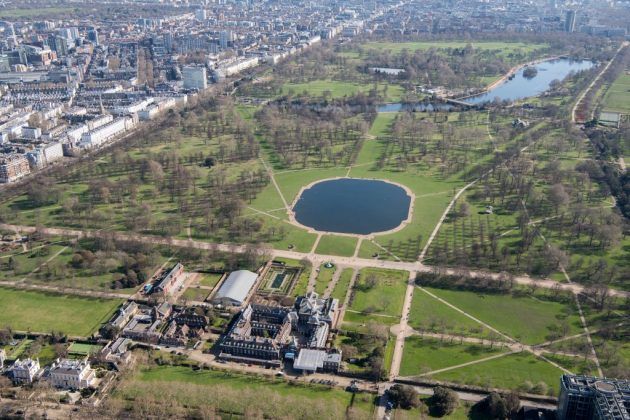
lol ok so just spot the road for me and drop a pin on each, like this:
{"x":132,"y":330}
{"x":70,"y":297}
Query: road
{"x":316,"y":259}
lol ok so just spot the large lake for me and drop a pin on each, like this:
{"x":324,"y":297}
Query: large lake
{"x":349,"y":205}
{"x":521,"y":87}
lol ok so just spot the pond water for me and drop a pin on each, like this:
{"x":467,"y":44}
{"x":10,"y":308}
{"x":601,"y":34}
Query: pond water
{"x":520,"y":87}
{"x":349,"y":205}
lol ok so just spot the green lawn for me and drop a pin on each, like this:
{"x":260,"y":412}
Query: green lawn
{"x":44,"y":312}
{"x":337,"y":245}
{"x":37,"y":11}
{"x":339,"y":89}
{"x":422,"y":355}
{"x":429,"y":314}
{"x":84,"y":348}
{"x":231,"y":392}
{"x":381,"y":302}
{"x":618,"y":96}
{"x":209,"y":279}
{"x":324,"y":277}
{"x":507,"y":313}
{"x":341,"y":288}
{"x":509,"y":372}
{"x":504,"y":47}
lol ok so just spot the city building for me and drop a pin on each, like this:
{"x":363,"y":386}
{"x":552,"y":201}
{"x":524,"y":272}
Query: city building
{"x":25,"y":371}
{"x":13,"y":167}
{"x":235,"y":288}
{"x":591,"y":398}
{"x":270,"y":335}
{"x":312,"y":360}
{"x":72,"y":374}
{"x":195,"y":77}
{"x":168,"y":282}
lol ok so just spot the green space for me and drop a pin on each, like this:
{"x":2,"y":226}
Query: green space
{"x":46,"y":312}
{"x":617,"y":98}
{"x":36,"y":11}
{"x":377,"y":296}
{"x":339,"y":89}
{"x":520,"y":371}
{"x":195,"y":294}
{"x":336,"y":245}
{"x":423,"y":355}
{"x":244,"y":394}
{"x":341,"y":288}
{"x":209,"y":279}
{"x":506,"y":313}
{"x":324,"y":277}
{"x":503,"y":47}
{"x":84,"y":349}
{"x":428,"y":314}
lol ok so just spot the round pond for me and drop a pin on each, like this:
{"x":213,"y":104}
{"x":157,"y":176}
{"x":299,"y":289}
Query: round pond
{"x":349,"y":205}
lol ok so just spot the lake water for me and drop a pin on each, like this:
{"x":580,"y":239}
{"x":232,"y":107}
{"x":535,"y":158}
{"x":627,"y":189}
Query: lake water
{"x":348,"y":205}
{"x":521,"y":87}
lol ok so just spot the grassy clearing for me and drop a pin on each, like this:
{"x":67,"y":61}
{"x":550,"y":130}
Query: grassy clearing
{"x":514,"y":371}
{"x":377,"y":296}
{"x":341,"y":288}
{"x":504,"y":47}
{"x":339,"y":89}
{"x":32,"y":12}
{"x":337,"y":245}
{"x":618,"y":96}
{"x":209,"y":279}
{"x":506,"y":313}
{"x":324,"y":277}
{"x":44,"y":312}
{"x":426,"y":355}
{"x":429,"y":314}
{"x":234,"y":393}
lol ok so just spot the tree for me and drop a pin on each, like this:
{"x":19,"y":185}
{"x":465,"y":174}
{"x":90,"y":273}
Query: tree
{"x":403,"y":396}
{"x":444,"y":401}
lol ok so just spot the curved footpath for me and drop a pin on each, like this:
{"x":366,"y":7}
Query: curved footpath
{"x":316,"y":259}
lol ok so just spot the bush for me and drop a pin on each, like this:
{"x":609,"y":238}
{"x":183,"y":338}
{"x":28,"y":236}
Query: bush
{"x":403,"y":396}
{"x":444,"y":401}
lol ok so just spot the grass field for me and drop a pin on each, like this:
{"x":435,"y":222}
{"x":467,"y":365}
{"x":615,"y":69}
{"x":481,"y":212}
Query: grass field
{"x":429,"y":314}
{"x":341,"y":288}
{"x":84,"y":349}
{"x":43,"y":312}
{"x":339,"y":89}
{"x":380,"y":302}
{"x":504,"y":47}
{"x":618,"y":96}
{"x":31,"y":12}
{"x":506,"y":313}
{"x":230,"y":392}
{"x":426,"y":355}
{"x":324,"y":277}
{"x":209,"y":279}
{"x":336,"y":245}
{"x":509,"y":372}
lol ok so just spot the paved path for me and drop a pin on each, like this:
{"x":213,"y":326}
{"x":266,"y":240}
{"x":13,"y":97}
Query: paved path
{"x":316,"y":259}
{"x":402,"y":327}
{"x":65,"y":290}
